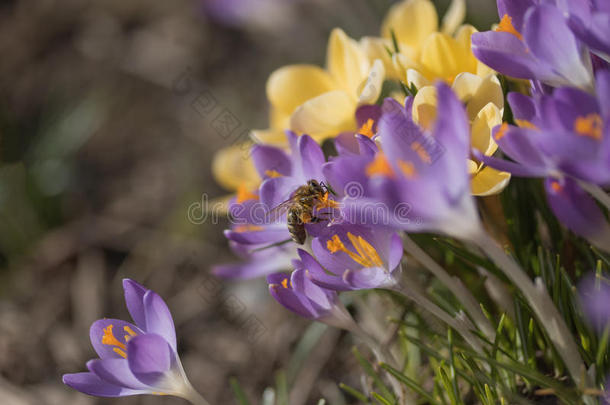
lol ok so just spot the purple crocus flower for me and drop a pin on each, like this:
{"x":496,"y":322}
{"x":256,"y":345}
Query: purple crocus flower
{"x":594,"y":291}
{"x":300,"y":295}
{"x":418,"y":180}
{"x":533,"y":41}
{"x":257,"y":260}
{"x":591,"y":24}
{"x":356,"y":257}
{"x":562,"y":137}
{"x":138,"y":358}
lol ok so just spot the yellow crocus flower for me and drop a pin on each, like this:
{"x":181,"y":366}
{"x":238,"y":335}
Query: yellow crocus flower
{"x":484,"y":103}
{"x":322,"y":102}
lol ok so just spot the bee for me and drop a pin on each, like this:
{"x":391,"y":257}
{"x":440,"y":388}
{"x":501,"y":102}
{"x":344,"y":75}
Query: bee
{"x":300,"y":208}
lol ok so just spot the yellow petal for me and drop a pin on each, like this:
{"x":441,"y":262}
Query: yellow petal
{"x":490,"y":91}
{"x":412,"y":21}
{"x":465,"y":86}
{"x":232,"y":167}
{"x":371,"y":87}
{"x":279,"y":119}
{"x":485,"y":121}
{"x":325,"y":116}
{"x":417,"y":79}
{"x":347,"y":62}
{"x":377,"y":48}
{"x":290,"y":86}
{"x":424,"y":107}
{"x":275,"y":137}
{"x":489,"y":181}
{"x":445,"y":57}
{"x":454,"y":16}
{"x":473,"y":166}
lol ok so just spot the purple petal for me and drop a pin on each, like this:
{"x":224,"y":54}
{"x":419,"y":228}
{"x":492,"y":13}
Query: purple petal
{"x":576,"y":209}
{"x":311,"y":158}
{"x":268,"y":235}
{"x":551,"y":41}
{"x":275,"y":191}
{"x":270,"y":159}
{"x":595,"y":297}
{"x":150,"y":359}
{"x":115,"y":333}
{"x":366,"y":112}
{"x":507,"y":54}
{"x":265,"y":262}
{"x":116,"y":372}
{"x":367,"y":278}
{"x":515,"y":9}
{"x":158,"y":318}
{"x":134,"y":298}
{"x":90,"y":384}
{"x":523,"y":107}
{"x":516,"y":169}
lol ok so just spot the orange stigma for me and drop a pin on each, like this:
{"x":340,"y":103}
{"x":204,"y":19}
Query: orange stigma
{"x":421,"y":152}
{"x":243,"y":194}
{"x":325,"y":202}
{"x":110,"y":340}
{"x":367,"y":128}
{"x":285,"y":283}
{"x":366,"y":255}
{"x":501,"y":132}
{"x":506,"y":25}
{"x":407,"y":169}
{"x":590,"y":125}
{"x":525,"y":124}
{"x":379,"y":166}
{"x":247,"y":228}
{"x":272,"y":173}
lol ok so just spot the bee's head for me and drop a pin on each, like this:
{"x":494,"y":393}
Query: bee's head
{"x":315,"y":186}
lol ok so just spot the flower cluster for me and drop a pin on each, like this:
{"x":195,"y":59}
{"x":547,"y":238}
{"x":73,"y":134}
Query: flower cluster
{"x":414,"y":160}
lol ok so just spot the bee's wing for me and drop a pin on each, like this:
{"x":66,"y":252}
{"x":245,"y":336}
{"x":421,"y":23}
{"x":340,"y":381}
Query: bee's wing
{"x":279,"y":210}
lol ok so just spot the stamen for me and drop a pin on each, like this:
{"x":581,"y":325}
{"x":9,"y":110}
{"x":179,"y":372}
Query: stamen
{"x":506,"y":25}
{"x":243,"y":194}
{"x":407,"y":168}
{"x":272,"y":173}
{"x":525,"y":124}
{"x":367,"y":255}
{"x":556,"y":186}
{"x":379,"y":166}
{"x":110,"y":340}
{"x":247,"y":228}
{"x":501,"y":132}
{"x":421,"y":152}
{"x":120,"y":352}
{"x":285,"y":283}
{"x":590,"y":125}
{"x":367,"y":128}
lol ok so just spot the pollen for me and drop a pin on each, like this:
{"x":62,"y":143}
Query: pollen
{"x":379,"y":166}
{"x":247,"y":228}
{"x":421,"y":152}
{"x":506,"y":25}
{"x":243,"y":194}
{"x":367,"y":128}
{"x":407,"y":169}
{"x":272,"y":173}
{"x":590,"y":125}
{"x":285,"y":283}
{"x":556,"y":186}
{"x":501,"y":132}
{"x":366,"y":255}
{"x":325,"y":202}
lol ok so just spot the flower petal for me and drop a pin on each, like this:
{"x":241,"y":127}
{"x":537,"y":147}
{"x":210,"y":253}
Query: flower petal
{"x":290,"y":86}
{"x":347,"y":62}
{"x":372,"y":86}
{"x":411,"y":20}
{"x":158,"y":318}
{"x":150,"y":359}
{"x":134,"y":298}
{"x":445,"y":58}
{"x":489,"y":181}
{"x":111,"y":331}
{"x":232,"y":167}
{"x":453,"y":16}
{"x":325,"y":116}
{"x":481,"y":128}
{"x":116,"y":372}
{"x":90,"y":384}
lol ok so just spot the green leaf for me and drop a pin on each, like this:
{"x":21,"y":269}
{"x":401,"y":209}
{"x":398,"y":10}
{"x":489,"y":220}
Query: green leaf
{"x":368,"y":369}
{"x":354,"y":393}
{"x":238,"y":392}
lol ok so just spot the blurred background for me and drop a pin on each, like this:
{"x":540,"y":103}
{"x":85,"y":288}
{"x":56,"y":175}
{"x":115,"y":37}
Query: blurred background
{"x":110,"y":114}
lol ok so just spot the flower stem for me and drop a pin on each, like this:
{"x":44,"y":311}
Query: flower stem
{"x":454,"y":284}
{"x":457,"y":324}
{"x":193,"y":396}
{"x":540,"y":302}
